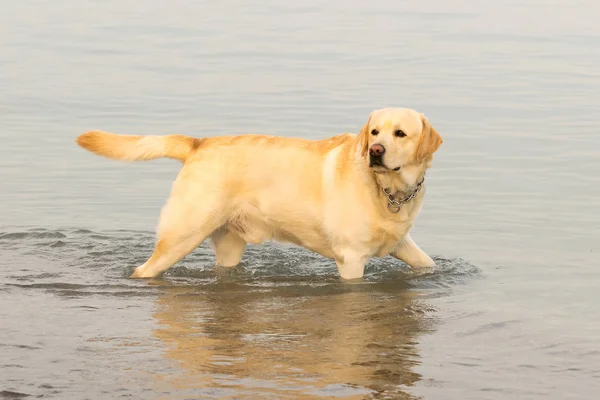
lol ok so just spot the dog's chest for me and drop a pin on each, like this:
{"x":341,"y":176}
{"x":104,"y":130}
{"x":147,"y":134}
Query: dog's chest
{"x":378,"y":235}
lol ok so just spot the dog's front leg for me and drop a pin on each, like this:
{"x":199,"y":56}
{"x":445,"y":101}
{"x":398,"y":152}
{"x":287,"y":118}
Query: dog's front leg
{"x":351,"y":264}
{"x":408,"y":251}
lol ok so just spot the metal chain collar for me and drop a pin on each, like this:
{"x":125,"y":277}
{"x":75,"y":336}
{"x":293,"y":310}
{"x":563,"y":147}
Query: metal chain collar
{"x":395,"y":204}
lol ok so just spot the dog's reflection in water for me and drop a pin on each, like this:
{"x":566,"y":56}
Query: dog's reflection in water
{"x":265,"y":338}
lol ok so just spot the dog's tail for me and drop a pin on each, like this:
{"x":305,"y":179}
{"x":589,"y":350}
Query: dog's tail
{"x":138,"y":148}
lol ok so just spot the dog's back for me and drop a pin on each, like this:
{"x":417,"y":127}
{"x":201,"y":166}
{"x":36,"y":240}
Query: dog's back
{"x":181,"y":147}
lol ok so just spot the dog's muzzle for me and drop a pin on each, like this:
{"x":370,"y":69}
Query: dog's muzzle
{"x":376,"y":152}
{"x":376,"y":161}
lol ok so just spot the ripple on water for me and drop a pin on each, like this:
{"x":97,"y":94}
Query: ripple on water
{"x":32,"y":235}
{"x":103,"y":258}
{"x":298,"y":300}
{"x":8,"y":394}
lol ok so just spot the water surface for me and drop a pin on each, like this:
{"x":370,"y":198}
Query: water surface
{"x":511,"y":213}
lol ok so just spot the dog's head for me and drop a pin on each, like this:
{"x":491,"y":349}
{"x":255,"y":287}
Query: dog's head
{"x":396,"y":137}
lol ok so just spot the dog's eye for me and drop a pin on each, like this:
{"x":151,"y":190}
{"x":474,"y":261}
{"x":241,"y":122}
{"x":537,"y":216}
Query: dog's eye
{"x":399,"y":133}
{"x":374,"y":132}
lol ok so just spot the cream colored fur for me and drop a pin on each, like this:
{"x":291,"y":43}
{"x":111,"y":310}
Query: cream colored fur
{"x":321,"y":195}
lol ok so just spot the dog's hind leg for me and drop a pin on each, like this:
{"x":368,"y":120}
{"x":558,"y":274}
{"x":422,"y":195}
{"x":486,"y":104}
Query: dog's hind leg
{"x":167,"y":252}
{"x":229,"y":247}
{"x":185,"y":223}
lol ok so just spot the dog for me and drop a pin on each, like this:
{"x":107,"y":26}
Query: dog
{"x":348,"y":198}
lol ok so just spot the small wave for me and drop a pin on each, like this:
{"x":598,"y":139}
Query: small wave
{"x":57,"y":285}
{"x":82,"y":231}
{"x":32,"y":235}
{"x":7,"y":394}
{"x":71,"y":290}
{"x":34,"y":276}
{"x":20,"y":346}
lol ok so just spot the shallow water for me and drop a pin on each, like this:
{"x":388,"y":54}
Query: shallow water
{"x":511,"y":213}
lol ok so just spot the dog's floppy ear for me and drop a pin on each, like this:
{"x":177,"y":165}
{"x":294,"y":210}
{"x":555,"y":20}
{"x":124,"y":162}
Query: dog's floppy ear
{"x":363,"y":138}
{"x":429,"y":142}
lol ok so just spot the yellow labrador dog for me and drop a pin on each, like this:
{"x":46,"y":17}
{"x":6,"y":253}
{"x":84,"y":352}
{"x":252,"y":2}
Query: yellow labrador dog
{"x":349,"y":197}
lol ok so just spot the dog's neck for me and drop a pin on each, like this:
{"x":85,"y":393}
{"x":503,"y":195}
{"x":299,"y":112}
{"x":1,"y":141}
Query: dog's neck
{"x":401,"y":183}
{"x":405,"y":182}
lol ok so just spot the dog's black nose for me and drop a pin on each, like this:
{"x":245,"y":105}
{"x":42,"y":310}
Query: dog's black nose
{"x":377,"y":150}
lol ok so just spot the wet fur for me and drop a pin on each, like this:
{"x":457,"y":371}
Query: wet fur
{"x":320,"y":194}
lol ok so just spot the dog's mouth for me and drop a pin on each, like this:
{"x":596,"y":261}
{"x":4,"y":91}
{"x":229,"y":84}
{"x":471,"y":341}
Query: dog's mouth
{"x":376,"y":162}
{"x":378,"y":166}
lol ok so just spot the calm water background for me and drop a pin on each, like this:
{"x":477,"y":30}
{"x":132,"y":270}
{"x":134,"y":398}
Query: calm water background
{"x":511,"y":213}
